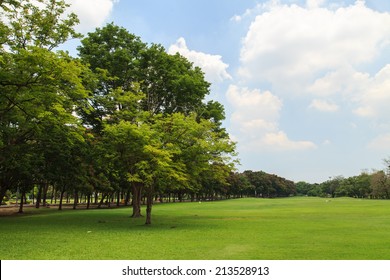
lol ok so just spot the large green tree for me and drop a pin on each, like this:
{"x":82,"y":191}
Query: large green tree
{"x":141,"y":90}
{"x":38,"y":85}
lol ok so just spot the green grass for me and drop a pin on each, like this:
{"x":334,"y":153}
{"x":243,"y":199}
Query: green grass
{"x":290,"y":228}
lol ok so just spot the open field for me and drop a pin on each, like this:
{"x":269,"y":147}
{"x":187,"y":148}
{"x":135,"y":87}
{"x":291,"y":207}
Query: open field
{"x":290,"y":228}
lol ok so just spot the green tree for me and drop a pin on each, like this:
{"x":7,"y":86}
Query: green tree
{"x":138,"y":90}
{"x":303,"y":187}
{"x":37,"y":84}
{"x":380,"y":185}
{"x":113,"y":55}
{"x":171,"y":83}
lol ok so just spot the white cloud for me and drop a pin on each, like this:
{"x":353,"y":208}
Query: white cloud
{"x":214,"y":68}
{"x":91,"y":13}
{"x":382,"y":142}
{"x":375,"y":99}
{"x":313,"y":4}
{"x":368,"y":95}
{"x":254,"y":111}
{"x":255,"y":121}
{"x":279,"y":142}
{"x":344,"y":80}
{"x":290,"y":46}
{"x":236,"y":18}
{"x":324,"y":106}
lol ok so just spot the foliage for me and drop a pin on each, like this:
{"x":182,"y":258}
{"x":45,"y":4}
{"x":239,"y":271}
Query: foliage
{"x":39,"y":87}
{"x":124,"y":118}
{"x":269,"y":185}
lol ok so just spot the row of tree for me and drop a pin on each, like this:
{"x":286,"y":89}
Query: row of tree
{"x":374,"y":185}
{"x":124,"y":118}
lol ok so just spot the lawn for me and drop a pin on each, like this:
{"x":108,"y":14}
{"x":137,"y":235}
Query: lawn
{"x":274,"y":229}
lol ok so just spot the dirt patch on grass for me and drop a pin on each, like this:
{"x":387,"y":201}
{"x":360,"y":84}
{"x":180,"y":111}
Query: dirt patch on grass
{"x":29,"y":209}
{"x":8,"y":211}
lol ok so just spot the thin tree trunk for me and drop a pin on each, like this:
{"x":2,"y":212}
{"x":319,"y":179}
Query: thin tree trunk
{"x":76,"y":199}
{"x":61,"y":198}
{"x":118,"y":198}
{"x":45,"y":189}
{"x":137,"y":190}
{"x":102,"y":200}
{"x":53,"y":193}
{"x":127,"y":199}
{"x":21,"y":202}
{"x":149,"y":204}
{"x":180,"y":196}
{"x":88,"y":200}
{"x":109,"y":199}
{"x":38,"y":202}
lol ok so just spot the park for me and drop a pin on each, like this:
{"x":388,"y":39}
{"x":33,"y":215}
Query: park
{"x":89,"y":145}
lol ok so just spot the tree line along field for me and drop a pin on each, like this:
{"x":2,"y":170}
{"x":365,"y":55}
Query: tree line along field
{"x":122,"y":120}
{"x":248,"y":228}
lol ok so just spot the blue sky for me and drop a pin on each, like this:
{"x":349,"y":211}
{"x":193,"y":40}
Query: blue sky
{"x":305,"y":84}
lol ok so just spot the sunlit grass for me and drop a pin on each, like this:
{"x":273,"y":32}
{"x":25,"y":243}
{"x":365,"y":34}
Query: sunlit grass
{"x":290,"y":228}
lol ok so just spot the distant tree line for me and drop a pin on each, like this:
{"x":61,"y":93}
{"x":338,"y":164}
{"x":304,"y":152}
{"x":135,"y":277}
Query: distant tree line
{"x":375,"y":185}
{"x":260,"y":184}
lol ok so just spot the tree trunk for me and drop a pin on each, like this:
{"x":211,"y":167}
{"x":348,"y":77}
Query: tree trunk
{"x":76,"y":199}
{"x":61,"y":198}
{"x":127,"y":199}
{"x":149,"y":204}
{"x":109,"y":199}
{"x":88,"y":200}
{"x":137,"y":193}
{"x":53,"y":193}
{"x":118,"y":198}
{"x":102,"y":200}
{"x":180,"y":196}
{"x":37,"y":204}
{"x":21,"y":202}
{"x":45,"y":190}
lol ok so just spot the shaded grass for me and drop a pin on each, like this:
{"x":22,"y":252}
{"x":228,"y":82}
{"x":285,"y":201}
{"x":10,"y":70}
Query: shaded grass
{"x":290,"y":228}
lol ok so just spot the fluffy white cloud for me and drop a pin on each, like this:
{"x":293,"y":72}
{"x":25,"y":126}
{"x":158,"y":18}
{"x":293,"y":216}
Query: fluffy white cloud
{"x":92,"y":13}
{"x":280,"y":142}
{"x":369,"y":95}
{"x":214,"y":68}
{"x":291,"y":46}
{"x":375,"y":99}
{"x":324,"y":106}
{"x":255,"y":121}
{"x":344,"y":81}
{"x":255,"y":112}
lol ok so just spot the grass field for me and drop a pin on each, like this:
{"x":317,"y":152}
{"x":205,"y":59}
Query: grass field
{"x":274,"y":229}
